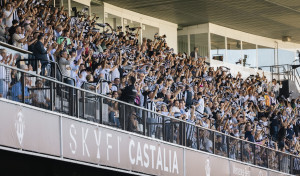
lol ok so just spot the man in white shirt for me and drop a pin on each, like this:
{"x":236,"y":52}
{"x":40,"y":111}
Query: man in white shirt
{"x":8,"y":13}
{"x":195,"y":53}
{"x":18,"y":38}
{"x":3,"y":82}
{"x":200,"y":104}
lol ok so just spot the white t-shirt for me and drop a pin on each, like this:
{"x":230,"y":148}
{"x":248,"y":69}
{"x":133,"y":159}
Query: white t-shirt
{"x":8,"y":21}
{"x":115,"y":74}
{"x":200,"y":108}
{"x":16,"y":38}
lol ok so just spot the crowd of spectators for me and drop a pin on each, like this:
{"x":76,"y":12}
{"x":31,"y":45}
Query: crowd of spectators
{"x":95,"y":56}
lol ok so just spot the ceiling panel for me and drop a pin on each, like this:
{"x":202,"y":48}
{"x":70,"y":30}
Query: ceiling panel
{"x":269,"y":18}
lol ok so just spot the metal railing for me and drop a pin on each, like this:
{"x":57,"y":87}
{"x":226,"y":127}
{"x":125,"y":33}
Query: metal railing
{"x":285,"y":71}
{"x":55,"y":71}
{"x":60,"y":97}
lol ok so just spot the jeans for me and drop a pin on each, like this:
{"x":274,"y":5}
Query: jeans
{"x":46,"y":68}
{"x":151,"y":125}
{"x":3,"y":88}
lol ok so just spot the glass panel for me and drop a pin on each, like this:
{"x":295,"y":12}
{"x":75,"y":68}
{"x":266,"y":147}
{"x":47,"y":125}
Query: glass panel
{"x":284,"y":162}
{"x":234,"y":149}
{"x":217,"y":47}
{"x":273,"y":159}
{"x":220,"y":144}
{"x":234,"y":53}
{"x":249,"y":54}
{"x":80,"y":8}
{"x":286,"y":56}
{"x":132,"y":25}
{"x":266,"y":57}
{"x":98,"y":10}
{"x":113,"y":20}
{"x":205,"y":140}
{"x":182,"y":43}
{"x":260,"y":156}
{"x":201,"y":42}
{"x":248,"y":152}
{"x":149,"y":31}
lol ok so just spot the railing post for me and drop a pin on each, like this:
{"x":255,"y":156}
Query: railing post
{"x":52,"y":99}
{"x":36,"y":65}
{"x":83,"y":104}
{"x":23,"y":84}
{"x":242,"y":150}
{"x":163,"y":128}
{"x":78,"y":103}
{"x":61,"y":99}
{"x":184,"y":133}
{"x":55,"y":69}
{"x":124,"y":116}
{"x":267,"y":158}
{"x":228,"y":149}
{"x":144,"y":123}
{"x":214,"y":144}
{"x":198,"y":141}
{"x":100,"y":109}
{"x":71,"y":102}
{"x":172,"y":130}
{"x":254,"y":157}
{"x":291,"y":164}
{"x":279,"y":164}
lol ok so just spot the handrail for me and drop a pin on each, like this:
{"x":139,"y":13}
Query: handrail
{"x":144,"y":109}
{"x":15,"y":48}
{"x":29,"y":52}
{"x":52,"y":62}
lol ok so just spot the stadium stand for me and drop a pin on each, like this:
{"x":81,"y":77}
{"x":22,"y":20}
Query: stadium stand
{"x":82,"y":53}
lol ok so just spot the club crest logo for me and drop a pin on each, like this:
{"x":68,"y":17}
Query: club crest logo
{"x":207,"y":168}
{"x":20,"y":127}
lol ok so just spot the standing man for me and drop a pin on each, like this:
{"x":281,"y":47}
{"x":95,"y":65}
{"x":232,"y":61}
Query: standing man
{"x":40,"y":53}
{"x":128,"y":95}
{"x":194,"y":53}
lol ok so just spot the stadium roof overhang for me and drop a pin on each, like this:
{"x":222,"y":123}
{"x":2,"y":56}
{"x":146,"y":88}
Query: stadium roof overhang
{"x":268,"y":18}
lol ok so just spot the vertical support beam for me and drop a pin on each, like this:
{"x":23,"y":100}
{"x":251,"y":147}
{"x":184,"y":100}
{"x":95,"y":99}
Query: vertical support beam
{"x":256,"y":56}
{"x":69,"y":7}
{"x":225,"y":59}
{"x":209,"y":47}
{"x":61,"y":3}
{"x":189,"y":43}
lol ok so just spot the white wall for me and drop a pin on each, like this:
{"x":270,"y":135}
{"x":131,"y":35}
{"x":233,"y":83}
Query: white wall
{"x":165,"y":27}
